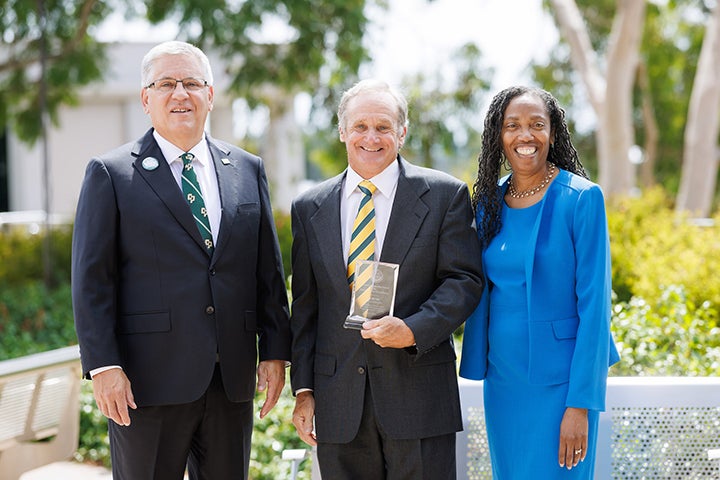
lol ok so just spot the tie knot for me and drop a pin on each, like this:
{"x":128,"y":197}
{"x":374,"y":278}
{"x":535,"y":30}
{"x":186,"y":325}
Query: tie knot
{"x":187,"y":158}
{"x":367,"y":187}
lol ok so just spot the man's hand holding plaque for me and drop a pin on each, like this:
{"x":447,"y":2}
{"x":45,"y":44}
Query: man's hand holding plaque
{"x":373,"y":294}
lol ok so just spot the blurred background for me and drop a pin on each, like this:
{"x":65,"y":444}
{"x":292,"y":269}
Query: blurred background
{"x":640,"y":82}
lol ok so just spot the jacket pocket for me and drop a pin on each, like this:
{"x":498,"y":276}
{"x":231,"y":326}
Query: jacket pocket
{"x":565,"y":328}
{"x":153,"y":322}
{"x":552,"y":345}
{"x":325,"y":364}
{"x":443,"y":353}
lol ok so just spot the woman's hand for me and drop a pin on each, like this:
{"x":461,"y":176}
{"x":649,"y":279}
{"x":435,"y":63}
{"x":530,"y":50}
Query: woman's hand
{"x":573,"y":437}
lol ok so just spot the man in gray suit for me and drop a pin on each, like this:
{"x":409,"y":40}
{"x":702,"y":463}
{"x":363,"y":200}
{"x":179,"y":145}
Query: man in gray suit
{"x":178,"y":285}
{"x":383,"y":402}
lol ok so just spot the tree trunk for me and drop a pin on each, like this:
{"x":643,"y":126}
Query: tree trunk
{"x":652,"y":132}
{"x":616,"y":133}
{"x":700,"y":153}
{"x":282,"y":148}
{"x":611,"y":97}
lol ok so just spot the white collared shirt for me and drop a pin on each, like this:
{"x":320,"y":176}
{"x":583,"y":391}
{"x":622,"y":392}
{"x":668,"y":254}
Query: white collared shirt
{"x":386,"y":183}
{"x":204,"y":170}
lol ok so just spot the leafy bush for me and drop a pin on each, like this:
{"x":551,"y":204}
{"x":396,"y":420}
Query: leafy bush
{"x":672,"y":337}
{"x":22,"y":255}
{"x":34,"y":319}
{"x":653,"y":248}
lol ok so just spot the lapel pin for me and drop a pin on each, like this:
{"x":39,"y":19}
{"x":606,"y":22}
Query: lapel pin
{"x":150,"y":163}
{"x":225,"y":161}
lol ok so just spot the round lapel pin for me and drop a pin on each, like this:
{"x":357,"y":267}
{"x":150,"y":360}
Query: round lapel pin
{"x":150,"y":163}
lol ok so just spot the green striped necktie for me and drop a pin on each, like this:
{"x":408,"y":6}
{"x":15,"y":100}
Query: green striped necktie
{"x":193,"y":195}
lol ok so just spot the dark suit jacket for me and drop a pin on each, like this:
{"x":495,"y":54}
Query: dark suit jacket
{"x":146,"y":295}
{"x":430,"y":235}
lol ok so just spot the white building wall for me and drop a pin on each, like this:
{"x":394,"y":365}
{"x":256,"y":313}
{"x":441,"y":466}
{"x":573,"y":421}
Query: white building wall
{"x":109,"y":115}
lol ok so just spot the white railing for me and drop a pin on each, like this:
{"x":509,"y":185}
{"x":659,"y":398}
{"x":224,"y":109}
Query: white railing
{"x":39,"y":410}
{"x":653,"y":428}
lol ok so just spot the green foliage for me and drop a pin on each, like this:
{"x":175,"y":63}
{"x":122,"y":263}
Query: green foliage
{"x":443,"y":110}
{"x":322,"y":35}
{"x":34,"y":319}
{"x":284,"y":233}
{"x":22,"y":256}
{"x":73,"y":59}
{"x":673,"y":336}
{"x":271,"y":436}
{"x":94,"y":444}
{"x":653,"y":248}
{"x":672,"y":38}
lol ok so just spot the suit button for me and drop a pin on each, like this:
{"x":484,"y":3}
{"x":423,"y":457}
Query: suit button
{"x":361,"y":370}
{"x":212,"y":272}
{"x":209,"y":309}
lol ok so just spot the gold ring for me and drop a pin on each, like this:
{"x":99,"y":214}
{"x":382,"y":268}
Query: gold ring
{"x":578,"y":451}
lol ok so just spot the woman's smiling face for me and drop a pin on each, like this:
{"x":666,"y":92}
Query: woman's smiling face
{"x":526,"y":133}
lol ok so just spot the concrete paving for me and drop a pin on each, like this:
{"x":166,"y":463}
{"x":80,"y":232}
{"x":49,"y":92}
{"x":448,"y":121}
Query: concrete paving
{"x":68,"y":471}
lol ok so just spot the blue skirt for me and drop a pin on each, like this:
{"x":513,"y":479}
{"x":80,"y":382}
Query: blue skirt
{"x":523,"y":420}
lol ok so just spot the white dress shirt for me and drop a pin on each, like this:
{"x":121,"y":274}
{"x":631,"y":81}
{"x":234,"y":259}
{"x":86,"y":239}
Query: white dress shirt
{"x":205,"y":172}
{"x":386,"y":183}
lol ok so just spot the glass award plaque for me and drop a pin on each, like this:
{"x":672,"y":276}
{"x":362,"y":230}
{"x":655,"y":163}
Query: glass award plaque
{"x":373,"y":294}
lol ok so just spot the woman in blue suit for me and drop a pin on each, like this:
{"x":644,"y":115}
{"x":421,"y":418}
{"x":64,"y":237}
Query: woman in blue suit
{"x":540,"y":337}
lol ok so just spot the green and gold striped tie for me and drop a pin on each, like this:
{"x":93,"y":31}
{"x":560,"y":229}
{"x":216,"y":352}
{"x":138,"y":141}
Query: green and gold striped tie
{"x":193,"y":195}
{"x":362,"y":240}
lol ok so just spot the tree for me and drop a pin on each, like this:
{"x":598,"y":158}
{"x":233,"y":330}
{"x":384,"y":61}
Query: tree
{"x":702,"y":154}
{"x":73,"y":58}
{"x":443,"y":110}
{"x":319,"y":47}
{"x":610,"y":95}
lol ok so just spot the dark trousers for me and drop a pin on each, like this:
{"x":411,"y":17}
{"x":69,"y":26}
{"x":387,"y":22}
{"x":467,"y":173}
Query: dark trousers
{"x":210,"y":436}
{"x":372,"y":455}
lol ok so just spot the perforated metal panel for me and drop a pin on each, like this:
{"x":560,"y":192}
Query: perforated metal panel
{"x":650,"y":443}
{"x":654,"y":428}
{"x":478,"y":453}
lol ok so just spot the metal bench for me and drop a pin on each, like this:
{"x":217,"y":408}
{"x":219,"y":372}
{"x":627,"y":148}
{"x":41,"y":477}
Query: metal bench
{"x":653,"y":428}
{"x":39,"y":410}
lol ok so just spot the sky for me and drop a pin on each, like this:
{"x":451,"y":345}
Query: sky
{"x":413,"y":36}
{"x":417,"y":35}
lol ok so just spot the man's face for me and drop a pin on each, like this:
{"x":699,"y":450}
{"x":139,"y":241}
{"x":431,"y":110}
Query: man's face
{"x":371,"y":133}
{"x":178,"y":115}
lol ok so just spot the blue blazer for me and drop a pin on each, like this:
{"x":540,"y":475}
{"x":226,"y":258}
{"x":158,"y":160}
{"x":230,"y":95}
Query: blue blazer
{"x":568,"y":281}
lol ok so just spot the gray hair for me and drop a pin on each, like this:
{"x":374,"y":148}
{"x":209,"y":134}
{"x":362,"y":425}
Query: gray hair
{"x":174,"y":48}
{"x":373,"y":86}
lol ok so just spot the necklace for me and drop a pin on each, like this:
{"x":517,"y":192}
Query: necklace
{"x":532,"y":191}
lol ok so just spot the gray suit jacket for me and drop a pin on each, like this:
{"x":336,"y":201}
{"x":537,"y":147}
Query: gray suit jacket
{"x":430,"y":235}
{"x":147,"y":297}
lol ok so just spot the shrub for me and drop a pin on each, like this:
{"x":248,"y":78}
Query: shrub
{"x":672,"y":337}
{"x":22,"y":256}
{"x":653,"y":249}
{"x":35,"y":318}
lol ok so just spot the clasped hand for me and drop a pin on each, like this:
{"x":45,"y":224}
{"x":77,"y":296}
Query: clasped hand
{"x":388,"y":332}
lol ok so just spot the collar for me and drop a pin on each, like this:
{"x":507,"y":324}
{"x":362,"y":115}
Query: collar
{"x":385,"y":181}
{"x":172,"y":153}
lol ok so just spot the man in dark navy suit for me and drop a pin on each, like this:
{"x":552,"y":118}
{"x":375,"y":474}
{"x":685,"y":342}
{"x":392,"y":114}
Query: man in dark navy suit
{"x":178,"y":285}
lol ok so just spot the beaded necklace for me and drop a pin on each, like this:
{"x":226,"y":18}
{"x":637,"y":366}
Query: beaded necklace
{"x":532,"y":191}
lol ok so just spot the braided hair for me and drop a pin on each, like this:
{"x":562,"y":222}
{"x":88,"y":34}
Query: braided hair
{"x":487,"y":195}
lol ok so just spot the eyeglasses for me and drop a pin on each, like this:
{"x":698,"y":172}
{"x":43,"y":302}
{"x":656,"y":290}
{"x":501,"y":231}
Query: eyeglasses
{"x":167,"y":85}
